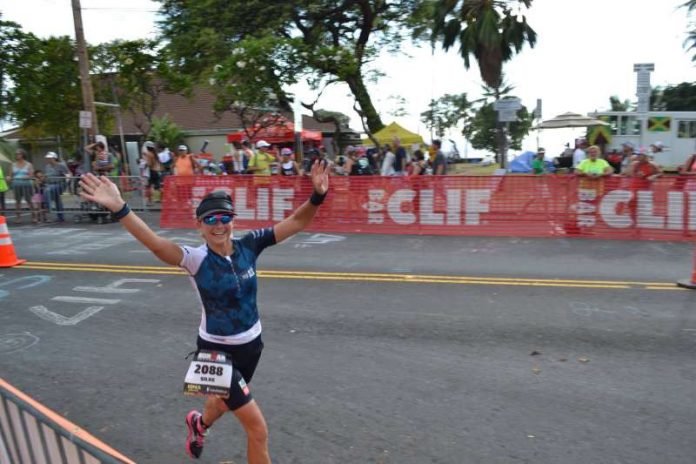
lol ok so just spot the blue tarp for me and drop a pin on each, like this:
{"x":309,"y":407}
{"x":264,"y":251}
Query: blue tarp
{"x":523,"y":163}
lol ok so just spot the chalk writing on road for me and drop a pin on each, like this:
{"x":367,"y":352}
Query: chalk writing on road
{"x":12,"y":342}
{"x":58,"y":319}
{"x":21,"y":283}
{"x":115,"y":287}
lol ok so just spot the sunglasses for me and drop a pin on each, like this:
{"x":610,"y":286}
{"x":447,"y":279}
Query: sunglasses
{"x":214,"y":218}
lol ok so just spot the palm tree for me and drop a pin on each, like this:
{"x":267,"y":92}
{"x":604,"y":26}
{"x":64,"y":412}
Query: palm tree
{"x":690,"y":41}
{"x":487,"y":29}
{"x":491,"y":32}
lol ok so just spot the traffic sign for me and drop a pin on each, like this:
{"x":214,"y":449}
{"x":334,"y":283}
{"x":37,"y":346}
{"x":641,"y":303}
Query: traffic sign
{"x":644,"y":67}
{"x":507,"y":115}
{"x":85,"y":119}
{"x":507,"y":104}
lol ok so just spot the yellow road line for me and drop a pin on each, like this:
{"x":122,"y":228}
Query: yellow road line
{"x":363,"y":277}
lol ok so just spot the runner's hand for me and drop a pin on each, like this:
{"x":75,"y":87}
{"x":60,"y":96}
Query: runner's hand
{"x":320,"y":176}
{"x":101,"y":190}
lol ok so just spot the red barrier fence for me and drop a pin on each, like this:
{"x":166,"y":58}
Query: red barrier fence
{"x":516,"y":205}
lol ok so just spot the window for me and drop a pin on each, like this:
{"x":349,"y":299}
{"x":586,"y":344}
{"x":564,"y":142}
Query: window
{"x":687,"y":129}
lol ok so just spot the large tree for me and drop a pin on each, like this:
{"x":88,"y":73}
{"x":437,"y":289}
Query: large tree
{"x":679,"y":97}
{"x":323,"y":41}
{"x":44,"y":92}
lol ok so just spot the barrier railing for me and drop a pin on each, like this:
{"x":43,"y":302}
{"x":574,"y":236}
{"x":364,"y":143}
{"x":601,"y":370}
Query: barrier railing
{"x":516,"y":205}
{"x":31,"y":433}
{"x":56,"y":198}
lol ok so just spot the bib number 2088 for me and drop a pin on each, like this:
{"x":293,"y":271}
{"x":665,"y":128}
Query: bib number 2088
{"x":209,"y":374}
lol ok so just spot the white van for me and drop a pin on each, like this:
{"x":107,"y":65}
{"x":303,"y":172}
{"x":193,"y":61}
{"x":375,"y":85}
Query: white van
{"x":675,"y":129}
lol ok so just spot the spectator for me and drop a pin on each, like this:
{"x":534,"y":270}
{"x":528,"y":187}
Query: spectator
{"x":56,"y":172}
{"x":184,"y":164}
{"x":38,"y":198}
{"x":103,"y":160}
{"x":593,"y":166}
{"x":248,"y":154}
{"x":361,"y":164}
{"x":643,"y":168}
{"x":260,"y":163}
{"x":388,"y":160}
{"x":655,"y":149}
{"x":3,"y":188}
{"x":538,"y":163}
{"x":689,"y":167}
{"x":614,"y":159}
{"x":420,"y":166}
{"x":165,"y":159}
{"x":627,"y":151}
{"x":21,"y":181}
{"x":401,"y":157}
{"x":288,"y":167}
{"x":579,"y":154}
{"x":154,"y":168}
{"x":439,"y":160}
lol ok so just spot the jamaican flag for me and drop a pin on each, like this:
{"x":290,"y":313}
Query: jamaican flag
{"x":659,"y":124}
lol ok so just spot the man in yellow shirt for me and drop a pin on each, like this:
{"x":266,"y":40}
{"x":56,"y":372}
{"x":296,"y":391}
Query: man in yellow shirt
{"x":260,"y":163}
{"x":594,"y":166}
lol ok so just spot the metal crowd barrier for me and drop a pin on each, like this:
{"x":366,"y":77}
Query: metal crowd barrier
{"x":74,"y":207}
{"x":30,"y":433}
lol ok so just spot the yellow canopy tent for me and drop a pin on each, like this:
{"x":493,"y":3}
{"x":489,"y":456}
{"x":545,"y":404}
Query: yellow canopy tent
{"x":387,"y":134}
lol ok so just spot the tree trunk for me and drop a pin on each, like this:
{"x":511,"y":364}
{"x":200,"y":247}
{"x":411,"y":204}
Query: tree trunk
{"x":357,"y":87}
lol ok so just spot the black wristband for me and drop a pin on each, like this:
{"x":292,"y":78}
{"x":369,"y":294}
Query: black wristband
{"x":317,"y":198}
{"x":121,"y":213}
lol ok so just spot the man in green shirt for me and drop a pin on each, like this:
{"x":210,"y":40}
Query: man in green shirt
{"x":538,"y":163}
{"x":260,"y":163}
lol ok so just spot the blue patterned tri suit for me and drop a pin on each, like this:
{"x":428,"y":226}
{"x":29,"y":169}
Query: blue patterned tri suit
{"x":230,"y":318}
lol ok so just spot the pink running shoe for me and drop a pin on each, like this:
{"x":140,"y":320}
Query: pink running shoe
{"x":196,"y":434}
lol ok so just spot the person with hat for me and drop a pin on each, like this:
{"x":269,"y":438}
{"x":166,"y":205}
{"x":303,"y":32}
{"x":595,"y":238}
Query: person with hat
{"x":223,"y":273}
{"x":56,"y":174}
{"x":288,"y":166}
{"x":642,"y":168}
{"x":260,"y":163}
{"x":538,"y":163}
{"x":184,"y":164}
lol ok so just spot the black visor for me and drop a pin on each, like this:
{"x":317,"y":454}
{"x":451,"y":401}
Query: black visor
{"x":215,"y":202}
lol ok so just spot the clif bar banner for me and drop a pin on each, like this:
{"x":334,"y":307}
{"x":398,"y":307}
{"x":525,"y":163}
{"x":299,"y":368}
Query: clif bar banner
{"x":514,"y":205}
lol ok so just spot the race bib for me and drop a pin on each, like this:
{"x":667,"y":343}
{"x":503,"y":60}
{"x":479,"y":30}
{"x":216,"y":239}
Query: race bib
{"x":210,"y":374}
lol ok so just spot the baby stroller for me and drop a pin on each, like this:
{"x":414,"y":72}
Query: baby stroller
{"x":91,"y":210}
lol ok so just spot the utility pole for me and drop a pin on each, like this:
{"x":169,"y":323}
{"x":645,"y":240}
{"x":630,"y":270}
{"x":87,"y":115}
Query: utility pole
{"x":83,"y":61}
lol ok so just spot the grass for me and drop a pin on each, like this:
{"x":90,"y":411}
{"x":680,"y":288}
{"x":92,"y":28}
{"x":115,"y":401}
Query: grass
{"x":467,"y":169}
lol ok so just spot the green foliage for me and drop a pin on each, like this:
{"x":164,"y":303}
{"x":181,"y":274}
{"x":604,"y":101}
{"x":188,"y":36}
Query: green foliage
{"x":316,"y":40}
{"x":616,"y":104}
{"x":165,"y":131}
{"x":690,"y":42}
{"x":133,"y":74}
{"x":487,"y":29}
{"x":482,"y":130}
{"x":680,"y":97}
{"x":45,"y":93}
{"x":447,"y":112}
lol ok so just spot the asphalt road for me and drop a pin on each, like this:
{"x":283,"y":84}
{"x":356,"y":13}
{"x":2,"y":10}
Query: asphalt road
{"x":379,"y":349}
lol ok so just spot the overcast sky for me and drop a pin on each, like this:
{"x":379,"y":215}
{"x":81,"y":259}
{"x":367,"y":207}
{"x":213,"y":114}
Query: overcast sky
{"x":585,"y":52}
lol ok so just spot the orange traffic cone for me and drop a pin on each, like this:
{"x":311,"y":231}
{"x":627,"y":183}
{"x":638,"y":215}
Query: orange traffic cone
{"x":8,"y":258}
{"x":686,"y":283}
